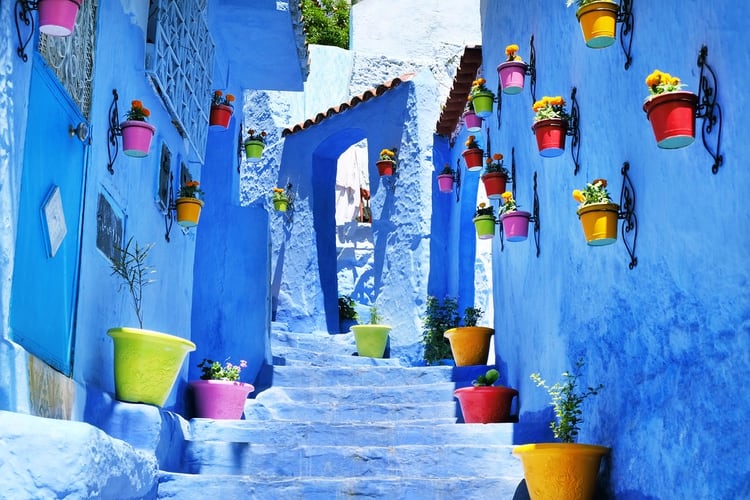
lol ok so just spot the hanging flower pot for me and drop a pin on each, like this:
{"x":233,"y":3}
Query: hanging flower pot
{"x":482,"y":102}
{"x":445,"y":183}
{"x":473,"y":158}
{"x":472,"y":121}
{"x":371,"y":339}
{"x":136,"y":137}
{"x":494,"y":184}
{"x":58,"y":17}
{"x":486,"y":404}
{"x":470,"y":344}
{"x":254,"y":150}
{"x":188,"y":211}
{"x":599,"y":222}
{"x":485,"y":226}
{"x":220,"y":399}
{"x":672,"y":117}
{"x":220,"y":116}
{"x":550,"y":136}
{"x":512,"y":75}
{"x":515,"y":225}
{"x":598,"y":23}
{"x":280,"y":205}
{"x":386,"y":167}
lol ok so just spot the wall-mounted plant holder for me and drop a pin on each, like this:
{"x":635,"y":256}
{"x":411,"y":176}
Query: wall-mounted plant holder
{"x":448,"y":178}
{"x":283,"y":201}
{"x":187,"y":210}
{"x":56,"y":18}
{"x":530,"y":71}
{"x":708,"y":109}
{"x":136,"y":135}
{"x":113,"y":131}
{"x":574,"y":131}
{"x":514,"y":226}
{"x":629,"y":227}
{"x":627,"y":22}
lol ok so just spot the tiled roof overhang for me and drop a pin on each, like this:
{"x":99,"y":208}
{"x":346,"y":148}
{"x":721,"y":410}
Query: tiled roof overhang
{"x":456,"y":102}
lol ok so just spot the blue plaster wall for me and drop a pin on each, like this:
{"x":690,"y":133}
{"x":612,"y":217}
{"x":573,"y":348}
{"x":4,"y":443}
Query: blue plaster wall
{"x":669,"y":339}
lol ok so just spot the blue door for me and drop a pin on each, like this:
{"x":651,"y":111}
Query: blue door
{"x":45,"y":274}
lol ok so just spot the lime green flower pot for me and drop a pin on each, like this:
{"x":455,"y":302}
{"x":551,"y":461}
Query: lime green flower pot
{"x":371,"y":339}
{"x":147,"y":364}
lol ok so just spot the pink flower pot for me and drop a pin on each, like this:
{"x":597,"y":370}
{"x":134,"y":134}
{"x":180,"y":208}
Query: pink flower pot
{"x":136,"y":137}
{"x":472,"y":121}
{"x":58,"y":17}
{"x":445,"y":183}
{"x":512,"y":75}
{"x":487,"y":404}
{"x":220,"y":399}
{"x":515,"y":225}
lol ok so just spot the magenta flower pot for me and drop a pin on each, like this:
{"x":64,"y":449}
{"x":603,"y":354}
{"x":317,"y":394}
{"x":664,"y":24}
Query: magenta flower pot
{"x":512,"y":76}
{"x":445,"y":183}
{"x":58,"y":17}
{"x":136,"y":138}
{"x":220,"y":399}
{"x":515,"y":225}
{"x":472,"y":121}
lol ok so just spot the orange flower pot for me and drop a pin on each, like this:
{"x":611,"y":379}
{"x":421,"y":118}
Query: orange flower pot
{"x":598,"y":23}
{"x":470,"y":344}
{"x":599,"y":222}
{"x":188,"y":211}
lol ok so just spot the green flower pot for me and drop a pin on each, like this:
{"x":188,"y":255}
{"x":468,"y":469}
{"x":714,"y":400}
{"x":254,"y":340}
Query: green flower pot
{"x":371,"y":339}
{"x":147,"y":364}
{"x":254,"y":150}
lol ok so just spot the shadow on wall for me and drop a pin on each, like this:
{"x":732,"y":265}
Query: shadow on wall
{"x":277,"y":275}
{"x":534,"y":427}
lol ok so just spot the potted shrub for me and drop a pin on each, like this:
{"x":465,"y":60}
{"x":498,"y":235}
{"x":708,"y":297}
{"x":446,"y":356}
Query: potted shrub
{"x":188,"y":205}
{"x":387,"y":162}
{"x":136,"y":132}
{"x":473,"y":154}
{"x":484,"y":402}
{"x":512,"y":72}
{"x":371,"y":339}
{"x":597,"y":212}
{"x":221,"y":110}
{"x":219,"y":394}
{"x":281,"y":199}
{"x":670,"y":110}
{"x":598,"y":19}
{"x":482,"y":98}
{"x":495,"y":176}
{"x":445,"y":179}
{"x":347,"y":313}
{"x":146,"y":362}
{"x":470,"y":343}
{"x":565,"y":470}
{"x":550,"y":125}
{"x":515,"y":222}
{"x":438,"y":319}
{"x":58,"y":17}
{"x":254,"y":145}
{"x":484,"y":221}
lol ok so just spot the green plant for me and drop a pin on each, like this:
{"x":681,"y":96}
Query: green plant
{"x":567,"y":401}
{"x":190,"y":190}
{"x":213,"y":370}
{"x":137,"y":111}
{"x":488,"y":379}
{"x":581,"y":3}
{"x":346,"y":308}
{"x":438,"y":318}
{"x":132,"y":268}
{"x":375,"y":318}
{"x":550,"y":107}
{"x":280,"y":194}
{"x":659,"y":82}
{"x":252,"y":135}
{"x":495,"y":165}
{"x":447,"y":170}
{"x":388,"y":154}
{"x":484,"y":209}
{"x":479,"y":86}
{"x":219,"y":98}
{"x":472,"y":315}
{"x":327,"y":22}
{"x":594,"y":192}
{"x":509,"y":204}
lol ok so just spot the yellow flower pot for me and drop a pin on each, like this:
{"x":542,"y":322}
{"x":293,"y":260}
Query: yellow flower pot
{"x":470,"y":344}
{"x":599,"y":223}
{"x":188,"y":211}
{"x":598,"y":23}
{"x":560,"y":471}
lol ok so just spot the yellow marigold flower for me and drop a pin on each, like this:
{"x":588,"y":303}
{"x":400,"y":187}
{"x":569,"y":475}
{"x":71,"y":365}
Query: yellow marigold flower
{"x":472,"y":137}
{"x":218,"y":93}
{"x":145,"y":112}
{"x":511,"y":50}
{"x":230,"y":97}
{"x":482,"y":205}
{"x":136,"y":103}
{"x":675,"y":81}
{"x":557,"y":101}
{"x":488,"y":161}
{"x":278,"y":190}
{"x":507,"y":195}
{"x":481,"y":81}
{"x":578,"y":196}
{"x":497,"y":156}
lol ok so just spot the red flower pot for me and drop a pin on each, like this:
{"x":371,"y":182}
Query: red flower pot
{"x":473,"y":158}
{"x":515,"y":225}
{"x":445,"y":183}
{"x":512,"y":75}
{"x":672,"y":117}
{"x":487,"y":404}
{"x":220,"y":399}
{"x":220,"y":115}
{"x":58,"y":17}
{"x":472,"y":121}
{"x":385,"y":167}
{"x":550,"y":136}
{"x":494,"y":184}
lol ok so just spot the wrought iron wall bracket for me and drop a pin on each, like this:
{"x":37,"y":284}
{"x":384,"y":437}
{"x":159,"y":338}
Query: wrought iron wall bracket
{"x":627,"y":22}
{"x":530,"y":72}
{"x":113,"y":132}
{"x":171,"y":207}
{"x":288,"y":215}
{"x":22,"y":15}
{"x":457,"y":180}
{"x":574,"y":131}
{"x":534,"y":214}
{"x":708,"y":109}
{"x":629,"y":228}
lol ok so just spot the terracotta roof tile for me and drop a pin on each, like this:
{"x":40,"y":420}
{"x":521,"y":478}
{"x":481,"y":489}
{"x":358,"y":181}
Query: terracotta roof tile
{"x":357,"y":99}
{"x":454,"y":105}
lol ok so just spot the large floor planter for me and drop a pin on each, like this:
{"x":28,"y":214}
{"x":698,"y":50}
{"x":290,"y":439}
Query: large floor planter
{"x":472,"y":121}
{"x":515,"y":225}
{"x":188,"y":211}
{"x":487,"y":404}
{"x":512,"y":75}
{"x":470,"y":344}
{"x":672,"y":117}
{"x":220,"y":116}
{"x":386,"y":167}
{"x":599,"y":222}
{"x":136,"y":137}
{"x":598,"y":23}
{"x":220,"y":399}
{"x":494,"y":184}
{"x":371,"y":339}
{"x":473,"y":158}
{"x":485,"y":226}
{"x":146,"y":364}
{"x":482,"y":103}
{"x":254,"y":150}
{"x":550,"y":136}
{"x":58,"y":17}
{"x":560,"y":471}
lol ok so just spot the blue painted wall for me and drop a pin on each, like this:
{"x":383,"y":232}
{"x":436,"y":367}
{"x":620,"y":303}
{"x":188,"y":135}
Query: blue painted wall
{"x":668,"y":339}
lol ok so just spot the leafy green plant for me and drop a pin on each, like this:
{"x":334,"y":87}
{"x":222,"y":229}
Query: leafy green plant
{"x":488,"y":379}
{"x":594,"y":192}
{"x":484,"y":209}
{"x":581,"y":3}
{"x":346,"y":308}
{"x":213,"y":370}
{"x":447,"y":170}
{"x":567,"y":400}
{"x":494,"y":165}
{"x":327,"y":22}
{"x":472,"y":315}
{"x":132,"y":268}
{"x":438,"y":318}
{"x":375,"y":318}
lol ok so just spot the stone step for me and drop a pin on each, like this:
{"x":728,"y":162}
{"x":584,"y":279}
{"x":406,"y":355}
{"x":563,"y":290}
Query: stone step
{"x":286,"y":356}
{"x":361,"y":394}
{"x":185,"y":486}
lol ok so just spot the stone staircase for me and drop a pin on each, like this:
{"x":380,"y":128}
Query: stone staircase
{"x":334,"y":425}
